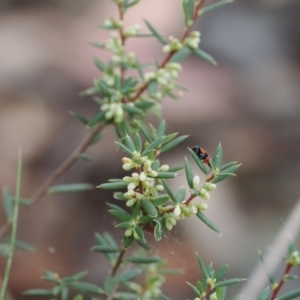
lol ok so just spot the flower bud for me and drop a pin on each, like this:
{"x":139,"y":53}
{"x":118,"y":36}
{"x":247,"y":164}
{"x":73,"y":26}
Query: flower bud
{"x":143,"y":176}
{"x":177,"y":211}
{"x":163,"y":168}
{"x":209,"y":186}
{"x":131,"y":186}
{"x":128,"y":232}
{"x":196,"y":181}
{"x":130,"y":202}
{"x":128,"y":166}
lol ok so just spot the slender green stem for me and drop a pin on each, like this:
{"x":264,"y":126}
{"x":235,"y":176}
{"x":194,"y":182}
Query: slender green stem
{"x":14,"y":229}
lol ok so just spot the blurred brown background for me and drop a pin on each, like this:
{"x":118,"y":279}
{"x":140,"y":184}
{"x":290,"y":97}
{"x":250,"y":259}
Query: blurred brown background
{"x":250,"y":102}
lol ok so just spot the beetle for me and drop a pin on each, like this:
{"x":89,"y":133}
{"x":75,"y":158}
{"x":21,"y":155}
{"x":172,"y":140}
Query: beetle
{"x":201,"y":153}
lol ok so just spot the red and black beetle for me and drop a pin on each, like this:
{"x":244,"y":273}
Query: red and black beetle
{"x":201,"y":153}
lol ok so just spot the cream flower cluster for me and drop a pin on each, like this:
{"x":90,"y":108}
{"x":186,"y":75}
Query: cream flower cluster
{"x":144,"y":180}
{"x":203,"y":190}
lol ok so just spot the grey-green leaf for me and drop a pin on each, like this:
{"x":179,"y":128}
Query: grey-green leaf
{"x":155,"y":33}
{"x":205,"y":56}
{"x":229,"y":282}
{"x":168,"y":190}
{"x":188,"y":173}
{"x":149,"y":208}
{"x":215,"y":6}
{"x":264,"y":295}
{"x":113,"y":185}
{"x":128,"y":275}
{"x":105,"y":249}
{"x":202,"y":266}
{"x":207,"y":221}
{"x":70,"y":188}
{"x":181,"y":54}
{"x":218,"y":156}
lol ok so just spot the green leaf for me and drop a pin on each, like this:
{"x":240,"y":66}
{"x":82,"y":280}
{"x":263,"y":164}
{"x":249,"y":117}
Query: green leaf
{"x":173,"y":143}
{"x":98,"y":118}
{"x":138,"y":143}
{"x":109,"y":285}
{"x":180,"y":195}
{"x":128,"y":275}
{"x":181,"y":54}
{"x":79,"y":117}
{"x":128,"y":86}
{"x":120,"y":196}
{"x":78,"y":297}
{"x":221,"y":292}
{"x":113,"y":185}
{"x":126,"y":296}
{"x":198,"y":162}
{"x":205,"y":56}
{"x":264,"y":295}
{"x":139,"y":231}
{"x":70,"y":188}
{"x":188,"y":9}
{"x":207,"y":221}
{"x":50,"y":276}
{"x":128,"y":241}
{"x":97,"y":45}
{"x":196,"y":291}
{"x":218,"y":156}
{"x":132,"y":109}
{"x":143,"y":244}
{"x":129,"y":143}
{"x":188,"y":173}
{"x":228,"y":165}
{"x":64,"y":293}
{"x":152,"y":146}
{"x":144,"y":104}
{"x":38,"y":293}
{"x":143,"y":260}
{"x":136,"y":209}
{"x":96,"y":138}
{"x":103,"y":87}
{"x":77,"y":276}
{"x":100,"y":64}
{"x":140,"y":69}
{"x":105,"y":249}
{"x":124,"y":225}
{"x":125,"y":149}
{"x":168,"y":190}
{"x":158,"y":231}
{"x":120,"y":215}
{"x":221,"y":177}
{"x":152,"y":87}
{"x":166,"y":175}
{"x":168,"y":138}
{"x":149,"y":208}
{"x":87,"y":287}
{"x":232,"y":169}
{"x":155,"y":33}
{"x":161,"y":128}
{"x":221,"y":272}
{"x":127,"y":4}
{"x":160,"y":200}
{"x":7,"y":204}
{"x":229,"y":282}
{"x":215,"y":6}
{"x":89,"y":92}
{"x":144,"y":131}
{"x":290,"y":295}
{"x":202,"y":266}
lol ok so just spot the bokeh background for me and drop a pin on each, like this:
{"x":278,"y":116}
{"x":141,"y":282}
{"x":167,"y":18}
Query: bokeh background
{"x":250,"y":103}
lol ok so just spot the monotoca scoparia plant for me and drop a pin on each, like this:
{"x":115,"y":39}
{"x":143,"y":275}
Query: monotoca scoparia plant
{"x":125,"y":92}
